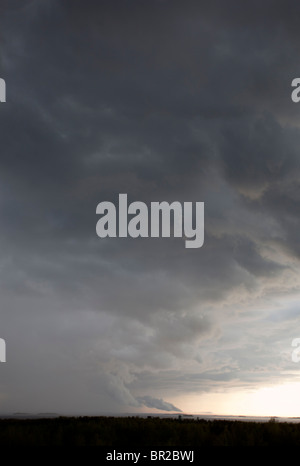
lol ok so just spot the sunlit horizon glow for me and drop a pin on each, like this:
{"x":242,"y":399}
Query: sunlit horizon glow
{"x":277,"y":401}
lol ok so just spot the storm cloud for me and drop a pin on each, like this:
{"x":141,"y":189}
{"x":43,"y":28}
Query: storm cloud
{"x":161,"y":100}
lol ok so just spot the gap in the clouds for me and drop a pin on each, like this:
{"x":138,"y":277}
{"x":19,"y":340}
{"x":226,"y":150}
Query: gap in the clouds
{"x":280,"y":401}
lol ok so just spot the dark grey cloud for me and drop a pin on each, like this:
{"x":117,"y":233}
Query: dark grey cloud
{"x":162,"y":101}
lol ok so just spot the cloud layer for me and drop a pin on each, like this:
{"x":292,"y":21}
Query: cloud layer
{"x":162,"y":101}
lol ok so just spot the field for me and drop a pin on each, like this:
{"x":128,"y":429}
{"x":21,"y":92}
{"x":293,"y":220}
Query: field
{"x":145,"y":432}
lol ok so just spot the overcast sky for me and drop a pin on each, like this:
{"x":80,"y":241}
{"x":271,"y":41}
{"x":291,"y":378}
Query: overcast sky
{"x":163,"y":100}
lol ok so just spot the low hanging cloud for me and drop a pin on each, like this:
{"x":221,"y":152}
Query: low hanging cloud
{"x":157,"y":403}
{"x":119,"y":390}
